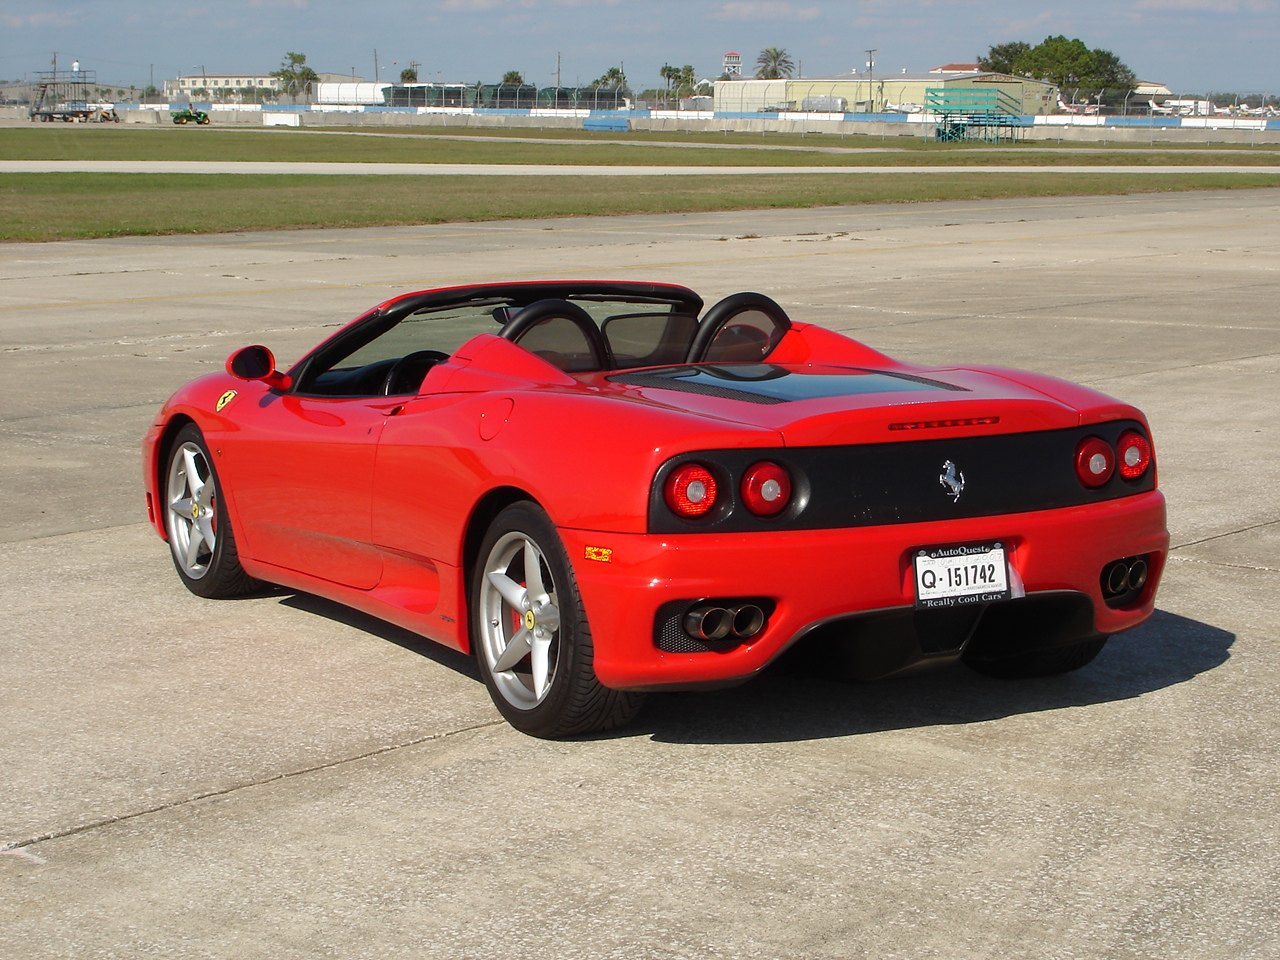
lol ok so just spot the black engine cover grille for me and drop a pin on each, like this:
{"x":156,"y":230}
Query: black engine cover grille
{"x":889,"y":483}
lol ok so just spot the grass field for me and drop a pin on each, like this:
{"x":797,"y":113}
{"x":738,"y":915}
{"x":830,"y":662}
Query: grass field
{"x":66,"y":205}
{"x":92,"y":142}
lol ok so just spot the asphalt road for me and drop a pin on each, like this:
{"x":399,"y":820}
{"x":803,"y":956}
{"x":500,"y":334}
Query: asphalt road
{"x":277,"y":777}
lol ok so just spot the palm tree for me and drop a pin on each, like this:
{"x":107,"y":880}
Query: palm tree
{"x":613,"y":77}
{"x":685,"y":79}
{"x":514,"y":77}
{"x":671,"y":75}
{"x":774,"y":63}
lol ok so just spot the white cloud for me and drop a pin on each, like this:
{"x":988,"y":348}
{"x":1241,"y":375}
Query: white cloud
{"x":35,"y":21}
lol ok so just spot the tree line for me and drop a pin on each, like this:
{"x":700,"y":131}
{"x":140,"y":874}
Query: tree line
{"x":1070,"y":65}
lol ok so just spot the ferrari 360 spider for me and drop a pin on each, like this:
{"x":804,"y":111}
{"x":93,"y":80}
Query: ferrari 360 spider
{"x":600,"y":488}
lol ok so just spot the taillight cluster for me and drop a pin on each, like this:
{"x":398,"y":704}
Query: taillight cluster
{"x":691,"y":490}
{"x":1097,"y":460}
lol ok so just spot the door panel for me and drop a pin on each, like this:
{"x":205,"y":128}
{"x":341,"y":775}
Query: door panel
{"x":304,"y":480}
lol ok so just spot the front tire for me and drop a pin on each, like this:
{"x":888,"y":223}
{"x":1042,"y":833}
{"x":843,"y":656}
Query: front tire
{"x":530,"y":632}
{"x":201,"y":541}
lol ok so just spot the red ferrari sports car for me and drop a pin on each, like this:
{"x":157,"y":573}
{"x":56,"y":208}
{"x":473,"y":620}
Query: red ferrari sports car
{"x":601,"y":488}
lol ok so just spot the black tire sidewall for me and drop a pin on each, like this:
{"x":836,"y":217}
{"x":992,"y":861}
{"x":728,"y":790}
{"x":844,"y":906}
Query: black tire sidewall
{"x":548,"y":718}
{"x":224,"y":576}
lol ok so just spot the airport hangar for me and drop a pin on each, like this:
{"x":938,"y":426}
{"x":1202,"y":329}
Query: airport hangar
{"x":865,"y":93}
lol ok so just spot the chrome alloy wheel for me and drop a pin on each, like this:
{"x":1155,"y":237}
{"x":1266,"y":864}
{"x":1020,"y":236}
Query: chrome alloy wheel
{"x":519,"y":620}
{"x":191,"y":517}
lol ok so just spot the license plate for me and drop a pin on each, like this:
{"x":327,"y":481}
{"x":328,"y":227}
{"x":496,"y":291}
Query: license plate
{"x":955,"y":576}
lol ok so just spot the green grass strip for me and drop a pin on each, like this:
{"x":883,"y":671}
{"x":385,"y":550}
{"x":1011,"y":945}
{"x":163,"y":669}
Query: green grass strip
{"x":40,"y":207}
{"x":96,"y":142}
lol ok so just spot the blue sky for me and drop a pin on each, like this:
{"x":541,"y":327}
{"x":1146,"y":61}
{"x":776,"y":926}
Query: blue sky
{"x":1190,"y":45}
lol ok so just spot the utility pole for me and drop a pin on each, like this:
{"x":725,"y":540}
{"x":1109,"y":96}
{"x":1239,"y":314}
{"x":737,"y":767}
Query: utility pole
{"x":375,"y":64}
{"x":871,"y":81}
{"x":557,"y":69}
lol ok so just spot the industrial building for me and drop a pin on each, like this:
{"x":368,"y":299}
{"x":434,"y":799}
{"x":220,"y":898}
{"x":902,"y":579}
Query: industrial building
{"x":872,"y":93}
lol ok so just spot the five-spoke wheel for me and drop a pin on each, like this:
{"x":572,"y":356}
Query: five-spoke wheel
{"x":200,"y":537}
{"x":530,"y":632}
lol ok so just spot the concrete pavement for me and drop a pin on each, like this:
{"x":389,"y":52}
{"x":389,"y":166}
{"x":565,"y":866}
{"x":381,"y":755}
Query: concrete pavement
{"x":278,"y":777}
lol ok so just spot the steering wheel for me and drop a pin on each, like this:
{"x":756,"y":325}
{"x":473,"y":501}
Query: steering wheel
{"x":405,"y":375}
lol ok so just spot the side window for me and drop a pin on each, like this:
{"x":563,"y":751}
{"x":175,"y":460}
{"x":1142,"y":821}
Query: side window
{"x":363,"y":365}
{"x":444,"y":330}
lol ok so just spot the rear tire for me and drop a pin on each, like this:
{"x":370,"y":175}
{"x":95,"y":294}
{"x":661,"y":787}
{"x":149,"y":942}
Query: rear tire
{"x":530,"y":632}
{"x":1041,"y":663}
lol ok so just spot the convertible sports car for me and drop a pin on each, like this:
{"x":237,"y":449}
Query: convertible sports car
{"x":602,"y":489}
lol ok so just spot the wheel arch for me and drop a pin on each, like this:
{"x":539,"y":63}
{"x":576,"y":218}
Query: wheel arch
{"x":482,"y":516}
{"x":159,"y":463}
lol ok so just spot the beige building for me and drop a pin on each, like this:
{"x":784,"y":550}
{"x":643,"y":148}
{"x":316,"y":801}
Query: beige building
{"x":862,"y":93}
{"x":219,"y":86}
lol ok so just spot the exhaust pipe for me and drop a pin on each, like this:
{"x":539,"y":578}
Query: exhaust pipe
{"x":1137,"y":578}
{"x":1117,"y":578}
{"x":708,"y":623}
{"x":748,"y":620}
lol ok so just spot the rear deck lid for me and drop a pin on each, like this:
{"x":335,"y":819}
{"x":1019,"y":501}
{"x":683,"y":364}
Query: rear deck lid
{"x":814,"y":404}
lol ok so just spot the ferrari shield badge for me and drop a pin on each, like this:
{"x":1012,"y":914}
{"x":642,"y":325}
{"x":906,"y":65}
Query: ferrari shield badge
{"x":224,"y":400}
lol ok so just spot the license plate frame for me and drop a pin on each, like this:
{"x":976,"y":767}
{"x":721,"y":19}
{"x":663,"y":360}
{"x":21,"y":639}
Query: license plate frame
{"x":960,"y":574}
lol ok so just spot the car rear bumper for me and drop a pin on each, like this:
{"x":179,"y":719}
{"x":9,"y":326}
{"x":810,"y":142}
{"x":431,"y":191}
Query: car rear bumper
{"x":811,"y":579}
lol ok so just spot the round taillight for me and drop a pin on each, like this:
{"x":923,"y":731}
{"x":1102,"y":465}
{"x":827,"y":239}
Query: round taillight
{"x":690,"y":490}
{"x":766,"y":489}
{"x":1134,"y":455}
{"x":1095,"y":461}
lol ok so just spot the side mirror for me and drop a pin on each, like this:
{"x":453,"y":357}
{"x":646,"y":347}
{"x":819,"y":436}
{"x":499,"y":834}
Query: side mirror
{"x":257,"y":363}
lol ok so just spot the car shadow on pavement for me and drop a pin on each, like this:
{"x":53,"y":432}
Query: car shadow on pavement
{"x":413,"y":642}
{"x":793,"y":702}
{"x":785,"y":705}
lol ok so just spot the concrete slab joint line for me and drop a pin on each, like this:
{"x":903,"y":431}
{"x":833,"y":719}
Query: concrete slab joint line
{"x":18,"y":845}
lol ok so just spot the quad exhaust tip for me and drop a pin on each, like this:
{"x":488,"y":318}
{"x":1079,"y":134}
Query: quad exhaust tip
{"x":1124,"y":576}
{"x":710,"y":622}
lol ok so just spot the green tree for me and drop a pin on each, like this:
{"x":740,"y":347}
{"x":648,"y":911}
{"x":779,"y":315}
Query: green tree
{"x":408,"y":75}
{"x":613,"y":77}
{"x":1062,"y":62}
{"x":294,"y":75}
{"x":513,"y":77}
{"x":1005,"y":57}
{"x":1067,"y":64}
{"x":670,"y":74}
{"x":686,"y":79}
{"x":774,"y":63}
{"x":1111,"y":72}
